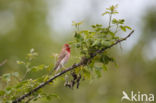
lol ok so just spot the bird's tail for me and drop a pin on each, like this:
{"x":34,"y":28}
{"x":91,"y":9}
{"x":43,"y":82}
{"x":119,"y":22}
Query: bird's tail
{"x":55,"y":69}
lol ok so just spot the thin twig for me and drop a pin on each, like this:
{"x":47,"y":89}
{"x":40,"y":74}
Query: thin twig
{"x":110,"y":19}
{"x":3,"y":62}
{"x":25,"y":75}
{"x":84,"y":61}
{"x":116,"y":30}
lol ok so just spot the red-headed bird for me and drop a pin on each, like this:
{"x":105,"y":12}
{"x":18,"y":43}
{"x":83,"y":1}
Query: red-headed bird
{"x":63,"y":57}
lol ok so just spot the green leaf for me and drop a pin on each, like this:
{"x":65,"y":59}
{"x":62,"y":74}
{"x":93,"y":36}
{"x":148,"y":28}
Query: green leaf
{"x":32,"y":54}
{"x":114,"y":21}
{"x":107,"y":12}
{"x":9,"y":101}
{"x":112,"y":34}
{"x":86,"y":73}
{"x":77,"y":24}
{"x":96,"y":42}
{"x":78,"y":45}
{"x":20,"y":62}
{"x":93,"y":26}
{"x":106,"y":59}
{"x":112,"y":9}
{"x":128,"y":27}
{"x":104,"y":67}
{"x":98,"y":73}
{"x":2,"y":92}
{"x":46,"y":78}
{"x":8,"y":90}
{"x":123,"y":28}
{"x":84,"y":31}
{"x":78,"y":37}
{"x":91,"y":65}
{"x":115,"y":12}
{"x":98,"y":25}
{"x":121,"y":21}
{"x":106,"y":43}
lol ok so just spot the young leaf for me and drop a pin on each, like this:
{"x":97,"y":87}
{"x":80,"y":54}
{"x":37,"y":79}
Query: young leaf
{"x":104,"y":67}
{"x":107,"y":12}
{"x":128,"y":27}
{"x":123,"y":28}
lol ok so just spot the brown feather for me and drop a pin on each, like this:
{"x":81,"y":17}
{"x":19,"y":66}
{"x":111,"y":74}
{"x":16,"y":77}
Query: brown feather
{"x":61,"y":56}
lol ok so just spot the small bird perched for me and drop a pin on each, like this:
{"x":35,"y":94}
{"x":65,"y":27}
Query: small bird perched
{"x":63,"y":57}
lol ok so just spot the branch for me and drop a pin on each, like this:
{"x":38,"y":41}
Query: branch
{"x":84,"y":61}
{"x":3,"y":62}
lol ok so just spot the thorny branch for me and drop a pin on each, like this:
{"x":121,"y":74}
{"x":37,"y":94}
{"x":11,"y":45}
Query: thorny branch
{"x":84,"y":61}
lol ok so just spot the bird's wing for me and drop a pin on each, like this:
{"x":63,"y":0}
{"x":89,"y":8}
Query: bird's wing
{"x":61,"y":56}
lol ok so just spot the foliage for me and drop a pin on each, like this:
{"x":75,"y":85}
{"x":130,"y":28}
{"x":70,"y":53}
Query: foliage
{"x":24,"y":84}
{"x":98,"y":37}
{"x":87,"y":41}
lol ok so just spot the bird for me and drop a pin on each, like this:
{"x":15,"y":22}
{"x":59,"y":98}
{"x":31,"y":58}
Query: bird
{"x":63,"y":57}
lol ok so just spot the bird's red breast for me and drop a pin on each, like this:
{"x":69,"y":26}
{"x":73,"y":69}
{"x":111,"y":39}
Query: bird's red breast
{"x":67,"y":47}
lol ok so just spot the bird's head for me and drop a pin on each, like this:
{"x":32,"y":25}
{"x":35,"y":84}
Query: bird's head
{"x":66,"y":47}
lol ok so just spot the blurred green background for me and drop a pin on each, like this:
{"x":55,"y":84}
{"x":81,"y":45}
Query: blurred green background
{"x":45,"y":25}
